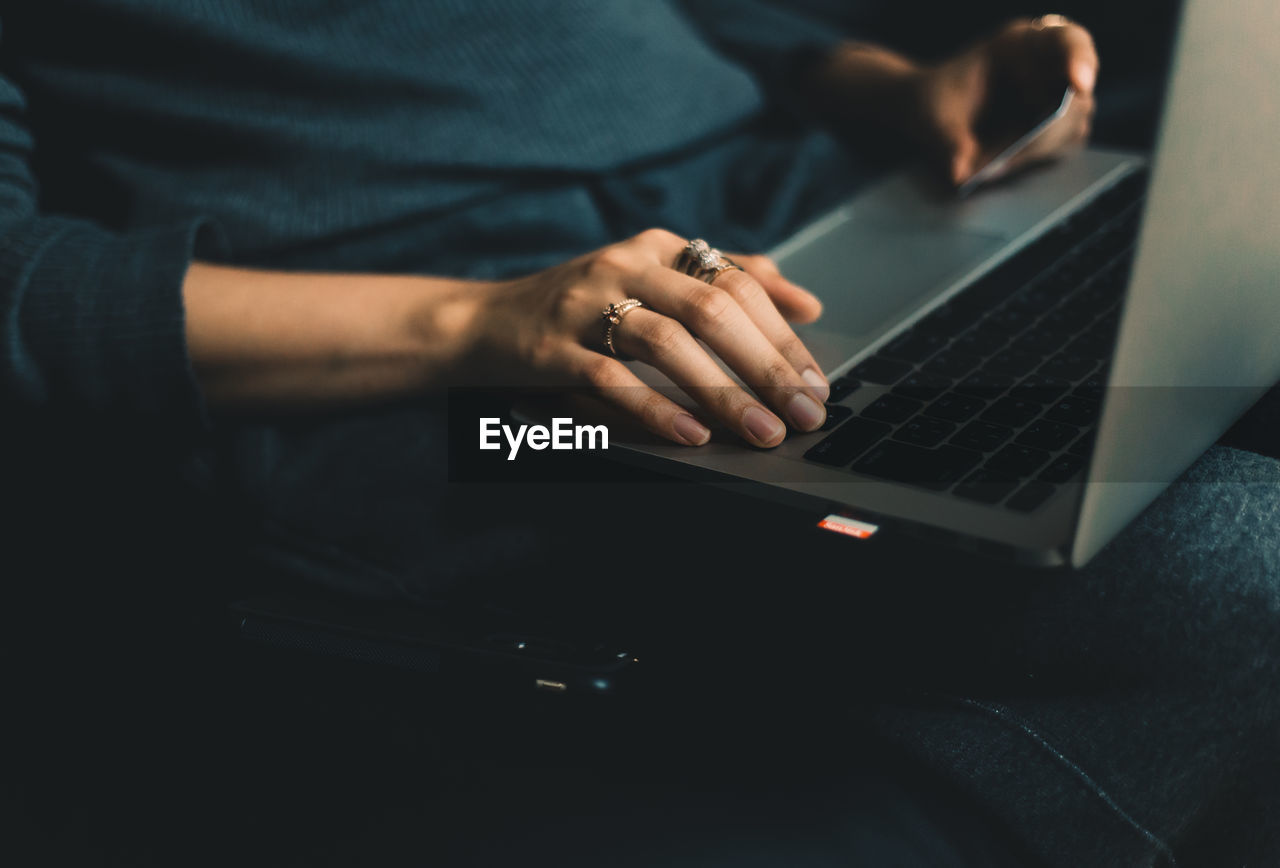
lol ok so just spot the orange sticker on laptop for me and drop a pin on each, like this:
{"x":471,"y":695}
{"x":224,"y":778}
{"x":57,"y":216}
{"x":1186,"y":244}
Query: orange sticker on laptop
{"x":848,"y":526}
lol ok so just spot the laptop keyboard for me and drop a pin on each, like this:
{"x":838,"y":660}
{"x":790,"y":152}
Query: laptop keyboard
{"x":993,"y":396}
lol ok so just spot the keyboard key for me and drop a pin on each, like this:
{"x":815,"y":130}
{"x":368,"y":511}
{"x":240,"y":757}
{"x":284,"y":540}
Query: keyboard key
{"x":847,"y":442}
{"x":1128,"y":219}
{"x":1041,"y":389}
{"x":1069,"y":318}
{"x":1058,"y":240}
{"x":1099,"y":293}
{"x":985,"y":384}
{"x":843,"y":388}
{"x":1042,"y":340}
{"x":1109,"y":321}
{"x":878,"y":369}
{"x":980,"y":343}
{"x":1008,"y":319}
{"x":1017,"y":460}
{"x":986,"y":486}
{"x":1013,"y":363}
{"x":1068,"y":367}
{"x":1084,"y":446}
{"x":952,"y":364}
{"x":949,"y":319}
{"x":1114,"y":240}
{"x":1075,"y":267}
{"x":1124,"y":192}
{"x":836,"y":413}
{"x":1063,"y":468}
{"x":1061,"y":282}
{"x":1074,"y":410}
{"x":955,"y":408}
{"x":982,"y":436}
{"x":1092,"y":387}
{"x":915,"y":346}
{"x":1031,"y":496}
{"x":931,"y":468}
{"x":1093,"y":344}
{"x":1079,"y":225}
{"x":924,"y":431}
{"x":892,"y":408}
{"x":1044,"y":434}
{"x":998,"y":284}
{"x":1036,"y":298}
{"x":1027,"y":344}
{"x":1014,"y":412}
{"x":1012,"y":274}
{"x":922,"y":386}
{"x":984,"y":338}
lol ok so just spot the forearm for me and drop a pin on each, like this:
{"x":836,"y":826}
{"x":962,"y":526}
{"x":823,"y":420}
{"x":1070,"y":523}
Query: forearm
{"x":865,"y":91}
{"x":264,"y":338}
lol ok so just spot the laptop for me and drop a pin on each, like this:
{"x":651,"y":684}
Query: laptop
{"x":1020,"y":372}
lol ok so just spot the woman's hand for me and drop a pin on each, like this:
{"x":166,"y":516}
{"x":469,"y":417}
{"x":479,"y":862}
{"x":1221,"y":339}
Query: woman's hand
{"x":275,"y":340}
{"x":964,"y":111}
{"x":550,"y":324}
{"x":974,"y":105}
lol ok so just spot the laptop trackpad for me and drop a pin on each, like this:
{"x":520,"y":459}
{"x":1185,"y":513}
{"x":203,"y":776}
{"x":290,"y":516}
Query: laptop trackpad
{"x":869,"y":275}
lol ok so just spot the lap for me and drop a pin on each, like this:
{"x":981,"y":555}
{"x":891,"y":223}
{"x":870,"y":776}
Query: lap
{"x":1127,"y":699}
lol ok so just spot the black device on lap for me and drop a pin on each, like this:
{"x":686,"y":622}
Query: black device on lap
{"x":473,"y":650}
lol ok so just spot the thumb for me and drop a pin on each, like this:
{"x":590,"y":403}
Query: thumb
{"x":962,"y":149}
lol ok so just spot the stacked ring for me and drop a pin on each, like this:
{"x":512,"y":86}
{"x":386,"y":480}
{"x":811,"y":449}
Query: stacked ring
{"x":701,"y":260}
{"x":1046,"y":22}
{"x":613,"y":315}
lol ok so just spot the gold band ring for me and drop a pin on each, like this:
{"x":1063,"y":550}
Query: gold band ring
{"x":613,"y":315}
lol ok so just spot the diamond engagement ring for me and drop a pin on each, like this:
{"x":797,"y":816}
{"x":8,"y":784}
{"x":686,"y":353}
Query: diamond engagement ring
{"x":613,"y":315}
{"x":701,"y":260}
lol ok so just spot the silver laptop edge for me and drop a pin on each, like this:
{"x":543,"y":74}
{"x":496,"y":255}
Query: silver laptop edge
{"x":1200,"y":333}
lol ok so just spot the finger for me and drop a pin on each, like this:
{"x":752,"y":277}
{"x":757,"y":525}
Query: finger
{"x":1079,"y":56}
{"x":956,"y":103}
{"x":754,"y":298}
{"x":667,"y":345}
{"x":1064,"y":55}
{"x":961,"y":148}
{"x":1038,"y":61}
{"x":795,"y":303}
{"x":713,"y":315}
{"x":612,"y":381}
{"x":663,"y":247}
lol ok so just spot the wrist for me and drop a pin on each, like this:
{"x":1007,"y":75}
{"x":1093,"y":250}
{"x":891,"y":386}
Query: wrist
{"x":446,"y":323}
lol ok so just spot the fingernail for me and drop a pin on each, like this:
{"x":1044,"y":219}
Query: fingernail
{"x":1086,"y":75}
{"x":765,"y":427}
{"x":817,"y":382}
{"x":690,"y":430}
{"x":806,"y":413}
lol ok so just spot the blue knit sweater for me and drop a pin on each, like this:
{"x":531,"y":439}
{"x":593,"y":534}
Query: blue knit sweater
{"x":378,"y":135}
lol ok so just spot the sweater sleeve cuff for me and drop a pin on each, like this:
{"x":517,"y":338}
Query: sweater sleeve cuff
{"x":95,"y":321}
